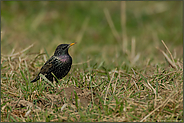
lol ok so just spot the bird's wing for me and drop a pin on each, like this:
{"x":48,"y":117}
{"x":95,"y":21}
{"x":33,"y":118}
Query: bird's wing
{"x":50,"y":65}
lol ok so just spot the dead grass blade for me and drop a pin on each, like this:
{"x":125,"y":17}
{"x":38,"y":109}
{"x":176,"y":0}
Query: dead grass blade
{"x":123,"y":26}
{"x":109,"y":86}
{"x":171,"y":61}
{"x":20,"y":51}
{"x":133,"y":44}
{"x":2,"y":34}
{"x":134,"y":80}
{"x":64,"y":106}
{"x":133,"y":57}
{"x":155,"y":102}
{"x":81,"y":33}
{"x":180,"y":65}
{"x":168,"y":51}
{"x":111,"y":24}
{"x":164,"y":103}
{"x":116,"y":82}
{"x":168,"y":59}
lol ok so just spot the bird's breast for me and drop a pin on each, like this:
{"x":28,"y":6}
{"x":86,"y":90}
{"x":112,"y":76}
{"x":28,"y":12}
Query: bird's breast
{"x":64,"y":58}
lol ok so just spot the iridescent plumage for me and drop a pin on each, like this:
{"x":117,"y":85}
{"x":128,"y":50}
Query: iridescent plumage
{"x":59,"y":64}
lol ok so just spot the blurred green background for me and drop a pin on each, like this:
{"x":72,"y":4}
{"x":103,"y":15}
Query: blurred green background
{"x":50,"y":23}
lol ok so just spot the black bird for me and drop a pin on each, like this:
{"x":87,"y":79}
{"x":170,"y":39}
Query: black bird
{"x":59,"y":64}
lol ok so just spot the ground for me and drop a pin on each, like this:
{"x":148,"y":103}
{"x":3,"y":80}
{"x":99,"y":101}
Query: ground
{"x":127,"y":62}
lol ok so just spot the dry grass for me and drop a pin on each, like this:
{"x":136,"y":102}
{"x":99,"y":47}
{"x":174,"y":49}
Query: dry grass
{"x":152,"y":94}
{"x":112,"y":82}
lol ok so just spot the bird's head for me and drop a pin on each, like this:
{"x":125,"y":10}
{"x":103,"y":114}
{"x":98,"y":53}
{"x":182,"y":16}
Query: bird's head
{"x":62,"y":49}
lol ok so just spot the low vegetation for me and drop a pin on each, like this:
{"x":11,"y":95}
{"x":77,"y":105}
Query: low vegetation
{"x":142,"y":82}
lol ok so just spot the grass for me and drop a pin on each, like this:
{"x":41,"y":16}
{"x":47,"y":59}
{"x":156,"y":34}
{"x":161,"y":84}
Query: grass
{"x":141,"y":83}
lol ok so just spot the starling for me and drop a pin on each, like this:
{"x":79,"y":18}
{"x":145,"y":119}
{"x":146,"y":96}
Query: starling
{"x":59,"y":64}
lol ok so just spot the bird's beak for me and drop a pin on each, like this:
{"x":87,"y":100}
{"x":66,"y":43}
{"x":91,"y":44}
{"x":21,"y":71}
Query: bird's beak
{"x":72,"y":44}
